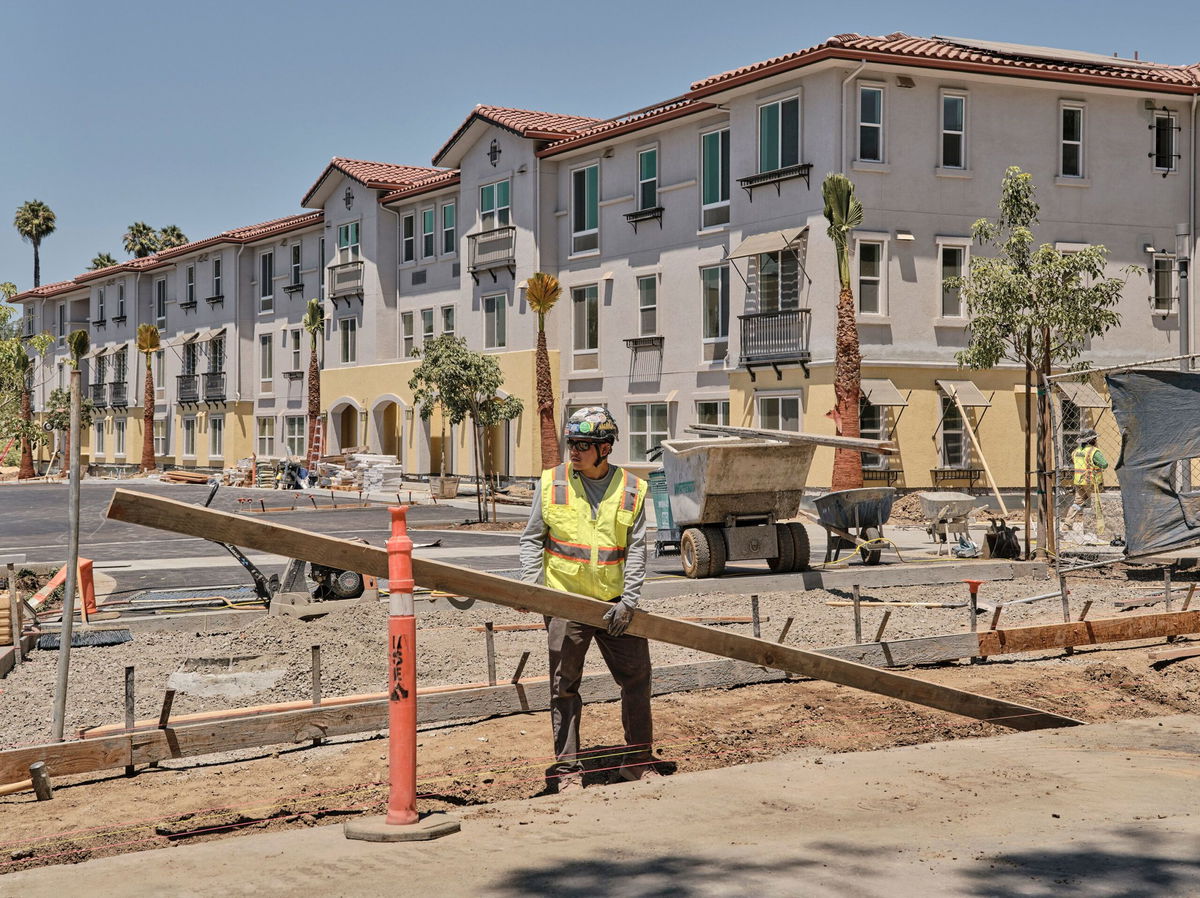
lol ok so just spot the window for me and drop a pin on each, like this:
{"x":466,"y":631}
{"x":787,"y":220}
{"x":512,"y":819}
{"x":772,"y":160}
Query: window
{"x":408,"y":238}
{"x":99,"y":305}
{"x":647,"y":428}
{"x":266,"y":363}
{"x":647,"y":305}
{"x":714,"y":178}
{"x":953,"y":265}
{"x":62,"y":322}
{"x":585,"y":209}
{"x":101,"y":368}
{"x":120,"y":365}
{"x":714,"y":290}
{"x":348,"y":329}
{"x":293,"y":437}
{"x":119,"y":437}
{"x":870,"y":123}
{"x":779,"y":135}
{"x":348,"y":246}
{"x":120,"y":300}
{"x":1071,"y":156}
{"x":189,"y":284}
{"x":160,"y":369}
{"x":216,"y":355}
{"x":1072,"y":423}
{"x":586,"y":321}
{"x":712,"y":411}
{"x":296,"y":258}
{"x":160,"y":303}
{"x":216,"y":277}
{"x":647,"y":179}
{"x":870,"y":278}
{"x":449,"y":237}
{"x":264,"y":432}
{"x":406,"y":333}
{"x":266,"y":281}
{"x":189,"y":358}
{"x":295,"y":336}
{"x":872,"y":425}
{"x":779,"y":413}
{"x":493,"y":321}
{"x":1163,"y":275}
{"x":98,"y":448}
{"x":29,"y":322}
{"x":494,"y":205}
{"x":189,"y":437}
{"x":1165,"y":127}
{"x":427,"y":233}
{"x":955,"y":453}
{"x":160,"y":437}
{"x":448,"y":320}
{"x":778,"y":281}
{"x":954,"y":131}
{"x":216,"y":436}
{"x":321,"y":262}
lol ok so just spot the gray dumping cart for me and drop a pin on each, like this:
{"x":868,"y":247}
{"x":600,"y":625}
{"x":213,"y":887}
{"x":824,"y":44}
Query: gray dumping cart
{"x":727,"y":498}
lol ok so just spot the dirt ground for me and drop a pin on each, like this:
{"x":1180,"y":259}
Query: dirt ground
{"x":480,"y":762}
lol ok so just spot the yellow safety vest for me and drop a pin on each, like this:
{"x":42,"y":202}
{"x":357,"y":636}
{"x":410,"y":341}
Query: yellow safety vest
{"x":1086,"y":473}
{"x":582,"y":554}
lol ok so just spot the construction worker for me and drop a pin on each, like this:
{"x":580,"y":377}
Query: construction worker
{"x":1089,"y":464}
{"x":587,"y":535}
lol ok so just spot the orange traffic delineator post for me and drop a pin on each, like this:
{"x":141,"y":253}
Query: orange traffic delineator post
{"x":402,"y":823}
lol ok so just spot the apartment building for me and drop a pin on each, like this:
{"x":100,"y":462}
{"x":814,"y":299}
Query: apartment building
{"x":699,"y":283}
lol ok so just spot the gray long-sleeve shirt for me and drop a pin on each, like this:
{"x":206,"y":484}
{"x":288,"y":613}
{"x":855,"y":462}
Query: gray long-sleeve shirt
{"x":533,"y":539}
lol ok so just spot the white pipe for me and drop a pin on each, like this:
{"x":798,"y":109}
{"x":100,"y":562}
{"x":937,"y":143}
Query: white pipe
{"x":841,"y":154}
{"x":1192,"y":227}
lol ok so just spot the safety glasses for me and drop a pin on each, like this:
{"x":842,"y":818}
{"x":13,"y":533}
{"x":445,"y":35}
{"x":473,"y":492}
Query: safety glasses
{"x":580,"y":445}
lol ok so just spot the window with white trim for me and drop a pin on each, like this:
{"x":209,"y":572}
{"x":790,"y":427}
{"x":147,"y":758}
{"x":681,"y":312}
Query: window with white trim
{"x":778,"y":281}
{"x":714,"y":300}
{"x":297,"y":256}
{"x":1071,"y":141}
{"x":426,"y":325}
{"x":585,"y":318}
{"x":648,"y":427}
{"x":266,"y":281}
{"x":160,"y":303}
{"x":585,"y":209}
{"x":406,"y":334}
{"x":348,"y":332}
{"x":712,"y":411}
{"x":449,"y":229}
{"x":189,"y":437}
{"x":1163,"y":279}
{"x":216,"y":355}
{"x":99,"y":305}
{"x":189,"y":284}
{"x":216,"y":436}
{"x":714,"y":178}
{"x":216,"y":277}
{"x":647,"y":288}
{"x":188,"y":361}
{"x":870,"y":123}
{"x":952,"y":263}
{"x":494,"y":211}
{"x":62,"y":323}
{"x":647,"y":192}
{"x":448,"y":320}
{"x":1165,"y":126}
{"x":955,"y":451}
{"x":119,"y":437}
{"x":121,"y":300}
{"x":294,"y":434}
{"x":871,"y":298}
{"x":493,"y":321}
{"x":408,"y":237}
{"x":101,"y":369}
{"x":954,"y":130}
{"x":349,"y":248}
{"x":321,"y":263}
{"x":872,"y":425}
{"x":161,"y":434}
{"x":297,"y":342}
{"x":121,"y":365}
{"x":160,"y":371}
{"x":266,"y":362}
{"x":264,"y":436}
{"x":779,"y":412}
{"x":779,"y":134}
{"x":427,"y":235}
{"x":98,"y":440}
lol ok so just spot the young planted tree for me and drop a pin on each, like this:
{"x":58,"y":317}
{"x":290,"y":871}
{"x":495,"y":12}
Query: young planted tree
{"x":1034,"y":305}
{"x":140,"y":240}
{"x":60,"y":400}
{"x":35,"y":221}
{"x":171,"y":236}
{"x":313,"y":322}
{"x":542,"y":292}
{"x":844,"y":213}
{"x":102,"y":260}
{"x":148,"y":343}
{"x":16,"y":384}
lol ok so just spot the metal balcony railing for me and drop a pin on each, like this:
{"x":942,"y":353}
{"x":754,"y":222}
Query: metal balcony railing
{"x":346,"y":279}
{"x":776,"y":337}
{"x":100,"y":395}
{"x":118,"y":395}
{"x":496,"y":248}
{"x":189,"y":387}
{"x":214,"y":386}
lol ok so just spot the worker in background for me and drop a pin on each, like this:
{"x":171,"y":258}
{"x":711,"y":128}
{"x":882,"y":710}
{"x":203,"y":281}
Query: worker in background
{"x":1089,"y":464}
{"x":587,"y":535}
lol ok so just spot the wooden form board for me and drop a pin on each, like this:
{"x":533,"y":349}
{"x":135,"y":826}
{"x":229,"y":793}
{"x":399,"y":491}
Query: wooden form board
{"x":211,"y":733}
{"x":877,"y":447}
{"x":192,"y":520}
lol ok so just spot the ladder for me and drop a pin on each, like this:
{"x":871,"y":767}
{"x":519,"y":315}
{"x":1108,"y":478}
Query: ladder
{"x":316,"y":449}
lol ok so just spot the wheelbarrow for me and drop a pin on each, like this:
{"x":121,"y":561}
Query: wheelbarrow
{"x":854,"y":519}
{"x":947,"y":514}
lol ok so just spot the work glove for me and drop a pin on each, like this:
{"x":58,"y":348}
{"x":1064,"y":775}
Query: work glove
{"x":618,"y":617}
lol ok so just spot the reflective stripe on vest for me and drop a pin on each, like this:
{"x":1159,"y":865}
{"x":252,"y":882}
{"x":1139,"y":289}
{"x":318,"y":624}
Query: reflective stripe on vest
{"x":582,"y":552}
{"x":559,"y":493}
{"x":629,"y":502}
{"x":1086,"y":472}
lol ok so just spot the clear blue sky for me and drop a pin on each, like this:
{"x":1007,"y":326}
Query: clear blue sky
{"x":219,"y":114}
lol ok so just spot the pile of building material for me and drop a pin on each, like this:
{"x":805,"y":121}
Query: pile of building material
{"x":178,"y":475}
{"x":374,"y":472}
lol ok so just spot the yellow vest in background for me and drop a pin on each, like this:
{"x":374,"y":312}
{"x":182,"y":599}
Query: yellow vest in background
{"x":1086,"y":473}
{"x":586,"y":555}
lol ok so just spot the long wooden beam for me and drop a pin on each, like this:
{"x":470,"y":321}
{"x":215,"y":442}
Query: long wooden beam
{"x":207,"y":523}
{"x":876,"y":447}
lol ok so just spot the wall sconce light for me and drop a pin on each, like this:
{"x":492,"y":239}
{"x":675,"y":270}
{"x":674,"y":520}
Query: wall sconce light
{"x":522,"y":169}
{"x":905,"y":81}
{"x":608,"y":153}
{"x":905,"y":235}
{"x":607,"y":276}
{"x":1149,"y":248}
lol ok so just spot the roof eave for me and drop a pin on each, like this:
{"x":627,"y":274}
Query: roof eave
{"x":568,"y":144}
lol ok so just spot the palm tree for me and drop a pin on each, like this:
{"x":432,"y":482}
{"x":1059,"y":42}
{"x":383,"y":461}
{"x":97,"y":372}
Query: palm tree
{"x":171,"y":236}
{"x":35,"y":221}
{"x":844,"y":213}
{"x":140,"y":240}
{"x":542,"y":292}
{"x":147,"y":345}
{"x":313,"y":322}
{"x":102,"y":260}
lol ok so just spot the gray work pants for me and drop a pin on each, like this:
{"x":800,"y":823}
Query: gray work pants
{"x":628,"y":658}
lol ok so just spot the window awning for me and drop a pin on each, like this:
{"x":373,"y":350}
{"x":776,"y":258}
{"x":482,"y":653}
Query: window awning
{"x":95,"y":353}
{"x":1082,"y":395}
{"x":968,"y":394}
{"x":205,"y":336}
{"x":771,"y":242}
{"x":882,"y":392}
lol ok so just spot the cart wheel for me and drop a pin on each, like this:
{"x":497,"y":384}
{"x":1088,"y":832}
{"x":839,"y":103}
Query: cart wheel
{"x":803,"y":552}
{"x":786,"y":559}
{"x":871,"y":556}
{"x":716,"y":551}
{"x":694,"y":552}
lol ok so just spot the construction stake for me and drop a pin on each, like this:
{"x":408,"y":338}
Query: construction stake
{"x":164,"y":716}
{"x":854,"y":591}
{"x":516,"y":677}
{"x":755,"y":622}
{"x":129,"y":718}
{"x":887,"y":614}
{"x":1087,"y":606}
{"x":41,"y":781}
{"x":489,"y":638}
{"x":787,"y":625}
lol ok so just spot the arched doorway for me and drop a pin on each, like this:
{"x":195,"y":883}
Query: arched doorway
{"x":345,"y":433}
{"x":387,"y":426}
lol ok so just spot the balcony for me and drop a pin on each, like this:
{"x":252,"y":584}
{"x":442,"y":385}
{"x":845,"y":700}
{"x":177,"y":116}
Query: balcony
{"x":776,"y":177}
{"x":214,"y":386}
{"x":489,"y":250}
{"x":118,"y":394}
{"x":776,"y":338}
{"x":100,"y":395}
{"x":345,"y":280}
{"x":189,"y":387}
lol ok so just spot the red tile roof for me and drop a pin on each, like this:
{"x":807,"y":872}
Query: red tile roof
{"x":447,"y":178}
{"x":375,"y":175}
{"x":274,"y":226}
{"x":964,"y":55}
{"x":633,"y":121}
{"x":45,"y":290}
{"x":525,"y":122}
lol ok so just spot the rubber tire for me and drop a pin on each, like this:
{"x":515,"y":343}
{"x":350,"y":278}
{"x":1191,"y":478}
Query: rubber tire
{"x":786,"y":559}
{"x":717,"y":552}
{"x":803,"y":551}
{"x":694,"y":553}
{"x":871,"y":556}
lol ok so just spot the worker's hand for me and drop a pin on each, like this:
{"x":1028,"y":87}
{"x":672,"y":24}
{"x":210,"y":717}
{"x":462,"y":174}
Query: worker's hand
{"x":618,"y":617}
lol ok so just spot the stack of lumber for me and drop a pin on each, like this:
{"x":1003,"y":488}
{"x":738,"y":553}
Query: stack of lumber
{"x":6,"y":622}
{"x":375,"y":472}
{"x":179,"y":476}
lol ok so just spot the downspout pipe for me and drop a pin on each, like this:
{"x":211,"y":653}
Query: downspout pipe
{"x":1187,"y":243}
{"x":841,"y":154}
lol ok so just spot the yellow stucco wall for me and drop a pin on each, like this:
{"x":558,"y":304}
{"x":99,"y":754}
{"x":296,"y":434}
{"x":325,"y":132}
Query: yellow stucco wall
{"x":238,"y":438}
